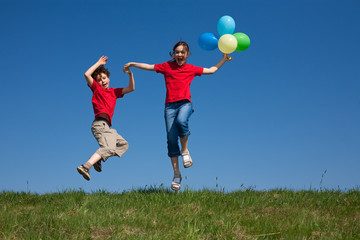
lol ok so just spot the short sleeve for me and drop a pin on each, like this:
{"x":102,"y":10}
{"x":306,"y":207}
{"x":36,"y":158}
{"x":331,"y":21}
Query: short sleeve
{"x":94,"y":86}
{"x":118,"y":92}
{"x":161,"y":68}
{"x":198,"y":71}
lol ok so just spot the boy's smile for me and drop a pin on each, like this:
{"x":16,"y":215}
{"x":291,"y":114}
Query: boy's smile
{"x":103,"y":80}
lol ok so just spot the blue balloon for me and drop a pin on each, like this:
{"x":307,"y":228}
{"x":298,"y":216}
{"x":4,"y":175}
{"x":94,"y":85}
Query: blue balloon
{"x":226,"y":25}
{"x":208,"y":41}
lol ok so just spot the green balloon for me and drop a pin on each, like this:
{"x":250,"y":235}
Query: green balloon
{"x":243,"y":41}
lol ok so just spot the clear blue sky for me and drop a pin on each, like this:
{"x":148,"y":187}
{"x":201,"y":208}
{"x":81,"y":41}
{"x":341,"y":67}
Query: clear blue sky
{"x":277,"y":116}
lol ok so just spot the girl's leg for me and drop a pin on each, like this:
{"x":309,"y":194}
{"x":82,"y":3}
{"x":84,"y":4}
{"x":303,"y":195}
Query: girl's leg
{"x":182,"y":121}
{"x":184,"y":143}
{"x":175,"y":164}
{"x":172,"y":143}
{"x":172,"y":130}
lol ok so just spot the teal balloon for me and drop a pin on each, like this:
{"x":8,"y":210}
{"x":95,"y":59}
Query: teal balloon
{"x":208,"y":41}
{"x":226,"y":25}
{"x":243,"y":41}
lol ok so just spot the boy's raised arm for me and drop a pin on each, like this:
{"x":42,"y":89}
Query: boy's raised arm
{"x":90,"y":71}
{"x":143,"y":66}
{"x":131,"y":86}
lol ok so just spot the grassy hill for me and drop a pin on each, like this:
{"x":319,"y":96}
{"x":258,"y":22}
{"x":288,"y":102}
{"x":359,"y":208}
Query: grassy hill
{"x":158,"y":213}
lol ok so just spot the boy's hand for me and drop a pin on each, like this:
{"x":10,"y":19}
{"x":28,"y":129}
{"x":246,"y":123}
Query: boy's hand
{"x":102,"y":60}
{"x":126,"y":69}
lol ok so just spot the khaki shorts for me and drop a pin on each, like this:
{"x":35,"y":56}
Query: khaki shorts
{"x":111,"y":143}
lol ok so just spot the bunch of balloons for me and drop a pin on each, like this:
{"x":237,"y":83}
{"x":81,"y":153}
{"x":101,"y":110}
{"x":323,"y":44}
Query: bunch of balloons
{"x":228,"y":41}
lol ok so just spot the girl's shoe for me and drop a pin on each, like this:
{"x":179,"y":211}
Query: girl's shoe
{"x":187,"y":161}
{"x":176,"y":182}
{"x":84,"y":172}
{"x":97,"y":166}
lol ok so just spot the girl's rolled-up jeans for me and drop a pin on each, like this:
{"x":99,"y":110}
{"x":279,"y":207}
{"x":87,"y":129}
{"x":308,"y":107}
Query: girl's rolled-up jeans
{"x":177,"y":115}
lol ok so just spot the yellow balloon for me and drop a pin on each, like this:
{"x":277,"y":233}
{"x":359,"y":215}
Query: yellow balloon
{"x":227,"y":43}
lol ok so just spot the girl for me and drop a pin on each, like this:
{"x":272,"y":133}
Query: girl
{"x":178,"y":106}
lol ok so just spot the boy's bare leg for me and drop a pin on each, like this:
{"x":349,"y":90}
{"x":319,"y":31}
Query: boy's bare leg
{"x":93,"y":159}
{"x":85,"y":168}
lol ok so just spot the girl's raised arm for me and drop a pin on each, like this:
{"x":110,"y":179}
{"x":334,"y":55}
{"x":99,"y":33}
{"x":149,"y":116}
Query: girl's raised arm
{"x":143,"y":66}
{"x":216,"y":67}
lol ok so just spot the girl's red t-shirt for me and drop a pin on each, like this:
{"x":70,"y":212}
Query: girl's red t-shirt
{"x":178,"y":79}
{"x":104,"y":100}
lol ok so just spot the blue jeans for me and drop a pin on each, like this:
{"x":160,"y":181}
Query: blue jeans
{"x":177,"y":116}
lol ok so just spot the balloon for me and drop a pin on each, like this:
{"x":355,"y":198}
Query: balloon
{"x":243,"y":41}
{"x":226,"y":25}
{"x":227,"y":43}
{"x":208,"y":41}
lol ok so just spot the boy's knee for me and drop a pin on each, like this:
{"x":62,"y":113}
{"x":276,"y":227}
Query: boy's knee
{"x":126,"y":146}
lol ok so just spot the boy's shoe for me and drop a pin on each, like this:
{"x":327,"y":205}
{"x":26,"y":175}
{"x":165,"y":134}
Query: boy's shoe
{"x":84,"y":172}
{"x":176,"y":182}
{"x":97,"y":166}
{"x":187,"y":161}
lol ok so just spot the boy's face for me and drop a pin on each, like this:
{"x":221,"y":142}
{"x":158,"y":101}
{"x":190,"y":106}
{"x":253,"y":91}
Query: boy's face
{"x":103,"y":80}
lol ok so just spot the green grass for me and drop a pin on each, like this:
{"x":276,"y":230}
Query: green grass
{"x":158,"y":213}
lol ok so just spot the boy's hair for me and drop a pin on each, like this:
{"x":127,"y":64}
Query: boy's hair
{"x":180,"y":43}
{"x":100,"y":70}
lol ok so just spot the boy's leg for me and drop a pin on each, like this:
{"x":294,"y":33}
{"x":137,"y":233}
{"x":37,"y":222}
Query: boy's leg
{"x":106,"y":138}
{"x":107,"y":142}
{"x":98,"y":166}
{"x":93,"y":159}
{"x":121,"y":144}
{"x":84,"y":169}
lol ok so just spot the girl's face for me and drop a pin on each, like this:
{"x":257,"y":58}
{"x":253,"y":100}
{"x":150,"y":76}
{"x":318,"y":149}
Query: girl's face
{"x":180,"y":55}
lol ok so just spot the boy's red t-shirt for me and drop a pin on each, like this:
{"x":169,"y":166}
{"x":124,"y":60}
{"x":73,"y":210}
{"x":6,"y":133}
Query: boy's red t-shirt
{"x":104,"y":100}
{"x":178,"y":79}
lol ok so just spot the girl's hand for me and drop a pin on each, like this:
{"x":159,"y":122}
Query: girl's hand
{"x":128,"y":65}
{"x":102,"y":60}
{"x":227,"y":57}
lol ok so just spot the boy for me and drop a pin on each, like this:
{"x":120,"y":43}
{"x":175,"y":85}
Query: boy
{"x":104,"y":101}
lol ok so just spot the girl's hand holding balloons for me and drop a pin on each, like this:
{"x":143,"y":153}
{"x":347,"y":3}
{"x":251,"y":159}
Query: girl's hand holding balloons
{"x":227,"y":57}
{"x":228,"y":41}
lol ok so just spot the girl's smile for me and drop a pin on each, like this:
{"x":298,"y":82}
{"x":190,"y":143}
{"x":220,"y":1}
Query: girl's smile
{"x":180,"y":55}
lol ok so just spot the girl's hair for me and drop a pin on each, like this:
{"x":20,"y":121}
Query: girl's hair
{"x":100,"y":70}
{"x":180,"y":43}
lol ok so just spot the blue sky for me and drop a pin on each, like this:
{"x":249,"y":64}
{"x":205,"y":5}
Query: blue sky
{"x":278,"y":115}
